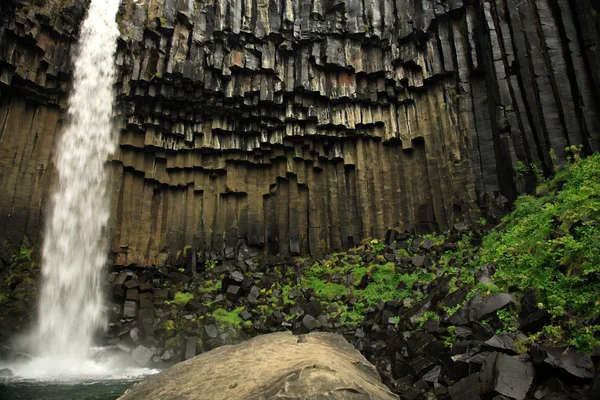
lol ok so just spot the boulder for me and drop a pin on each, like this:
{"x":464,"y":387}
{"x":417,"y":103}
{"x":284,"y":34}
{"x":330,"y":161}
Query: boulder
{"x":478,"y":307}
{"x":277,"y":365}
{"x":506,"y":376}
{"x":574,"y":362}
{"x":142,"y":355}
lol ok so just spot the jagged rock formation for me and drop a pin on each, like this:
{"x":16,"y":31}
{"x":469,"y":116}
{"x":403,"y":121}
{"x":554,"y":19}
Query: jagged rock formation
{"x":303,"y":126}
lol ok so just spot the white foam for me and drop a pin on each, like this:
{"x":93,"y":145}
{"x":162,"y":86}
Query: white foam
{"x":67,"y":371}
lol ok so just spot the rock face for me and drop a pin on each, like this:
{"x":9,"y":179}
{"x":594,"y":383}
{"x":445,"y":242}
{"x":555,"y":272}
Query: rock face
{"x":278,"y":365}
{"x":303,"y":126}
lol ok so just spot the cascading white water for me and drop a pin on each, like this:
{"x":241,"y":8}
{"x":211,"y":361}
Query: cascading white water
{"x":74,"y":252}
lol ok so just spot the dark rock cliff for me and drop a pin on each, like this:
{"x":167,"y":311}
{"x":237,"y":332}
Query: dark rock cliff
{"x":303,"y":126}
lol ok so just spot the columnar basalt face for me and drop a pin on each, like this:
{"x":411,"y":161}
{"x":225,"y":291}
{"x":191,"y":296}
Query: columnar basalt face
{"x":305,"y":126}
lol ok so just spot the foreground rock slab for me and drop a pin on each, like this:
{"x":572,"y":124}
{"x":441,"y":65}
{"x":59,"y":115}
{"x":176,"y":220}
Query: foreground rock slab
{"x":278,"y":365}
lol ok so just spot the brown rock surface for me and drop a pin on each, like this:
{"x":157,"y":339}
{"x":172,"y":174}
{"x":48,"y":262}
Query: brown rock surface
{"x":303,"y":127}
{"x":278,"y":365}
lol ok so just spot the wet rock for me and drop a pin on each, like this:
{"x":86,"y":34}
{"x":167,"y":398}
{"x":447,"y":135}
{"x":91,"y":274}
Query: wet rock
{"x":233,"y":292}
{"x":478,"y":307}
{"x":418,"y":261}
{"x":190,"y":347}
{"x":254,"y":294}
{"x":130,"y":309}
{"x":211,"y":331}
{"x":550,"y":386}
{"x":132,"y":294}
{"x":502,"y":342}
{"x":309,"y":322}
{"x":131,"y":284}
{"x":466,"y":389}
{"x":535,"y":322}
{"x":146,"y":287}
{"x":245,"y":315}
{"x":421,"y":365}
{"x":142,"y":355}
{"x":168,"y":355}
{"x":123,"y":347}
{"x":433,"y":375}
{"x":506,"y":375}
{"x":136,"y":335}
{"x":572,"y":361}
{"x":313,"y":308}
{"x":4,"y":372}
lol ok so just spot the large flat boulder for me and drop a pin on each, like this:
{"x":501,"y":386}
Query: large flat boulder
{"x":278,"y":365}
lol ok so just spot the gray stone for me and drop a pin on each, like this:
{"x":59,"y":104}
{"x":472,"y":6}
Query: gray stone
{"x":478,"y":307}
{"x":466,"y":389}
{"x":190,"y":347}
{"x":136,"y":335}
{"x":130,"y":309}
{"x":506,"y":375}
{"x":572,"y":361}
{"x":142,"y":355}
{"x":168,"y":355}
{"x":309,"y":322}
{"x":211,"y":331}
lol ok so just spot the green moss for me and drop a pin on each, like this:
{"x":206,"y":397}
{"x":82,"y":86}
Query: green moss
{"x":326,"y":290}
{"x":224,"y":318}
{"x":210,"y":286}
{"x":182,"y":298}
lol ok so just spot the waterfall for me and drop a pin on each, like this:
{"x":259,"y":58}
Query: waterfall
{"x":75,"y":250}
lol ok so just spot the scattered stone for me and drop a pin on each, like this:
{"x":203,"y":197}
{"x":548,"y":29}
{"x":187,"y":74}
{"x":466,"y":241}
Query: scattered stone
{"x":418,"y":261}
{"x":131,"y":284}
{"x":478,"y":307}
{"x":211,"y":331}
{"x":142,"y":355}
{"x":190,"y":347}
{"x":506,"y":375}
{"x":502,"y":342}
{"x":123,"y":348}
{"x":237,"y":276}
{"x":535,"y":321}
{"x":309,"y":322}
{"x":233,"y":292}
{"x":136,"y":336}
{"x":254,"y":294}
{"x":130,"y":309}
{"x":145,"y":287}
{"x":574,"y":362}
{"x":246,"y":315}
{"x":466,"y":389}
{"x":433,"y":375}
{"x":168,"y":355}
{"x":313,"y":308}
